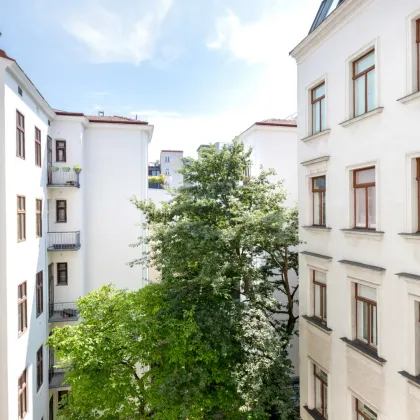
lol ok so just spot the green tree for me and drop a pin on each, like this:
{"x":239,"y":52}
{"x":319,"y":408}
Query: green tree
{"x":211,"y":333}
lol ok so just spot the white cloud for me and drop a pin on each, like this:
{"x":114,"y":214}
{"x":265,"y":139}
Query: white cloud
{"x":127,"y":34}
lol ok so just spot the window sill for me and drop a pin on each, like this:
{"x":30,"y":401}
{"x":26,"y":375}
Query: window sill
{"x":313,"y":413}
{"x":363,"y":232}
{"x":364,"y":350}
{"x":415,"y":380}
{"x":315,"y":228}
{"x":62,"y":284}
{"x":362,"y":117}
{"x":317,"y":135}
{"x":318,"y":324}
{"x":409,"y":97}
{"x":412,"y":236}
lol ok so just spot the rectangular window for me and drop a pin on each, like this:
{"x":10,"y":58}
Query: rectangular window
{"x":318,"y":200}
{"x":318,"y":108}
{"x":319,"y":281}
{"x":60,"y":150}
{"x":366,"y":315}
{"x":39,"y":294}
{"x":321,"y":392}
{"x":364,"y":83}
{"x":62,"y":274}
{"x":62,"y":398}
{"x":167,"y":160}
{"x":22,"y":308}
{"x":39,"y":368}
{"x":20,"y":135}
{"x":38,"y":216}
{"x":61,"y":211}
{"x":37,"y":147}
{"x":364,"y":198}
{"x":20,"y":91}
{"x":21,"y":218}
{"x":22,"y":396}
{"x":363,"y":412}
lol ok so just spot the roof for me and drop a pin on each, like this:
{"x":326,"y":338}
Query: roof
{"x":173,"y":151}
{"x":326,"y":8}
{"x":4,"y":55}
{"x":278,"y":122}
{"x":109,"y":119}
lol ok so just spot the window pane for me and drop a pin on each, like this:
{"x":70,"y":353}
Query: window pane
{"x":372,"y":207}
{"x":61,"y":214}
{"x":317,"y":308}
{"x":320,"y":277}
{"x":362,"y":328}
{"x":365,"y":176}
{"x":325,"y":401}
{"x":324,"y":290}
{"x":371,"y":97}
{"x":317,"y":215}
{"x":319,"y":183}
{"x":323,"y":208}
{"x":360,"y":207}
{"x":373,"y":326}
{"x":319,"y":91}
{"x":366,"y":292}
{"x":315,"y":115}
{"x":323,"y":115}
{"x":365,"y":62}
{"x":318,"y":395}
{"x":359,"y":96}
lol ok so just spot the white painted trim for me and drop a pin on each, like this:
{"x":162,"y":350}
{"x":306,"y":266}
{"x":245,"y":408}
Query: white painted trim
{"x":369,"y":114}
{"x":317,"y":135}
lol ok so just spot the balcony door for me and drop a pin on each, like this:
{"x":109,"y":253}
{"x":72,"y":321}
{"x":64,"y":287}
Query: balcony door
{"x":51,"y":289}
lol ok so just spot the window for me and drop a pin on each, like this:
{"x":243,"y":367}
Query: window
{"x":321,"y":392}
{"x":364,"y":84}
{"x":364,"y":198}
{"x":37,"y":147}
{"x":39,"y":368}
{"x":20,"y":135}
{"x":62,"y":274}
{"x":22,"y":308}
{"x":38,"y":216}
{"x":418,"y":53}
{"x":318,"y":108}
{"x":167,"y":172}
{"x":155,"y":172}
{"x":318,"y":201}
{"x":22,"y":396}
{"x":319,"y":281}
{"x":60,"y":150}
{"x":366,"y":315}
{"x":363,"y":412}
{"x":61,"y":211}
{"x":62,"y":398}
{"x":21,"y":218}
{"x":39,"y":294}
{"x":418,"y":192}
{"x":20,"y":91}
{"x":167,"y":160}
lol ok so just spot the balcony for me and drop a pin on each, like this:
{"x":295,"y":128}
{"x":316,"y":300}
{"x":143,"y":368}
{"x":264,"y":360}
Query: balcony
{"x":60,"y":179}
{"x":56,"y":378}
{"x":62,"y":311}
{"x":155,"y":186}
{"x":63,"y":241}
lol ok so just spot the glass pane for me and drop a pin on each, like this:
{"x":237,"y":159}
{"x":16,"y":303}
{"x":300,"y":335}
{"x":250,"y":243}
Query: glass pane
{"x":360,"y":207}
{"x":365,"y":62}
{"x":323,"y":115}
{"x":317,"y":208}
{"x":372,"y":207}
{"x":359,"y":96}
{"x":319,"y":91}
{"x":319,"y":183}
{"x":365,"y":176}
{"x":317,"y":308}
{"x":324,"y":290}
{"x":61,"y":214}
{"x":318,"y":395}
{"x":366,"y":292}
{"x":323,"y":208}
{"x":320,"y":277}
{"x":371,"y":96}
{"x":316,"y":109}
{"x":362,"y":327}
{"x":373,"y":327}
{"x":325,"y":401}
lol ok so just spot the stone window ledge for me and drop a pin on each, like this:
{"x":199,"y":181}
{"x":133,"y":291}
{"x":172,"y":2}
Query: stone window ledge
{"x":369,"y":114}
{"x":317,"y":135}
{"x":364,"y":350}
{"x":412,"y":236}
{"x":415,"y":380}
{"x":318,"y":324}
{"x":409,"y":97}
{"x":368,"y":233}
{"x":313,"y":413}
{"x":313,"y":228}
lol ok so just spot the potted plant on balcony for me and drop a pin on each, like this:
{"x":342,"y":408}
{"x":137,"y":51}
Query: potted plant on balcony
{"x":53,"y":169}
{"x":65,"y":169}
{"x":77,"y":169}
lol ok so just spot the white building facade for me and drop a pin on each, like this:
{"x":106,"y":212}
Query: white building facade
{"x":66,"y":224}
{"x":359,"y":201}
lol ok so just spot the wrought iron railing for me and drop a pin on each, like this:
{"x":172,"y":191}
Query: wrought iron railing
{"x":64,"y":241}
{"x":66,"y":179}
{"x":63,"y":311}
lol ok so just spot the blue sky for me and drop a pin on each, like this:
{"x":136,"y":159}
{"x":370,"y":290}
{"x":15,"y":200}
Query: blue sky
{"x":199,"y":70}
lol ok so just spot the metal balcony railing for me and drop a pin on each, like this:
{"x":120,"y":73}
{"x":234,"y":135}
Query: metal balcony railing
{"x":56,"y":378}
{"x":155,"y":186}
{"x":62,"y":311}
{"x":63,"y":179}
{"x":63,"y":241}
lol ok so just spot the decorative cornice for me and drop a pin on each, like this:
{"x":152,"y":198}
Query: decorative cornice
{"x":316,"y":160}
{"x":409,"y":276}
{"x":362,"y":265}
{"x":315,"y":255}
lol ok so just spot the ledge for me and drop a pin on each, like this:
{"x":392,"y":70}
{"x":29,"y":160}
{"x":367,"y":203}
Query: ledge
{"x":361,"y":265}
{"x":408,"y":276}
{"x":317,"y":323}
{"x":415,"y":236}
{"x":415,"y":380}
{"x":317,"y":228}
{"x":363,"y":232}
{"x":317,"y":135}
{"x":316,"y":160}
{"x":363,"y":349}
{"x":313,"y":413}
{"x":313,"y":254}
{"x":409,"y":97}
{"x":369,"y":114}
